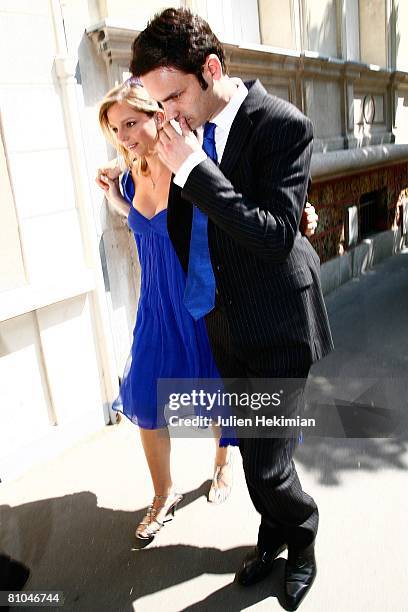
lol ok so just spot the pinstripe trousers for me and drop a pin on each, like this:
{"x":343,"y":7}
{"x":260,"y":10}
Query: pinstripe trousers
{"x":288,"y":514}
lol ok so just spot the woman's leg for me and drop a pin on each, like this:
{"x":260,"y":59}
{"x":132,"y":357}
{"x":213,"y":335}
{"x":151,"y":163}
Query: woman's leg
{"x":221,"y":452}
{"x":156,"y":445}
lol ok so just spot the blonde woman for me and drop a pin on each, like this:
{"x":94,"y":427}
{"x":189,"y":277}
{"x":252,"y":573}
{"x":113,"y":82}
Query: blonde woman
{"x":167,"y":341}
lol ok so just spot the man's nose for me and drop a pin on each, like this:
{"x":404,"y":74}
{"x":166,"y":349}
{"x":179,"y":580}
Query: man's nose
{"x":171,"y":111}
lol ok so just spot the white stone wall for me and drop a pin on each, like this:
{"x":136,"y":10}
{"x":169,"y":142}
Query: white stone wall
{"x":12,"y":273}
{"x":50,"y":382}
{"x":36,"y":143}
{"x":51,"y":363}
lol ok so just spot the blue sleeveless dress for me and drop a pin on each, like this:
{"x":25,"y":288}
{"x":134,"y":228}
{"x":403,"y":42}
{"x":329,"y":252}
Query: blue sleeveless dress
{"x":167,"y":341}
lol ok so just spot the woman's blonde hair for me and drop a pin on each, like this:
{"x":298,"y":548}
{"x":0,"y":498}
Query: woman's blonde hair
{"x":137,"y":97}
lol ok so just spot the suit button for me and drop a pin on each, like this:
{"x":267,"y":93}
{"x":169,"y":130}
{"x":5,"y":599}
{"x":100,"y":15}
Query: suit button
{"x":218,"y":268}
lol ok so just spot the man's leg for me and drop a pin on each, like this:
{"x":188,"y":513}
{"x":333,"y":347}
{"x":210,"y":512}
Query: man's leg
{"x":288,"y":514}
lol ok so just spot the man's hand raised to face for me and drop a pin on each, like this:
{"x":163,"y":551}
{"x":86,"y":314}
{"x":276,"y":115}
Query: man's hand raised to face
{"x":174,"y":148}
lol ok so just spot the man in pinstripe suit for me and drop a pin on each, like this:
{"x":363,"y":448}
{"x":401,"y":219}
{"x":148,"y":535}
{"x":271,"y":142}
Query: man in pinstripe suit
{"x":269,"y":319}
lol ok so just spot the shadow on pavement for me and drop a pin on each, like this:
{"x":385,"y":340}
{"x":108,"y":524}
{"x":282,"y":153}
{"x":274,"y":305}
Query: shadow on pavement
{"x":72,"y":545}
{"x":234,"y":598}
{"x":329,"y":458}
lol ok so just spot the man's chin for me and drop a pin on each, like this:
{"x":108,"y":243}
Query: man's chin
{"x":192,"y":123}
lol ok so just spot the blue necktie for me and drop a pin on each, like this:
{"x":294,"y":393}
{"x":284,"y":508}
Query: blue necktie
{"x":199,"y":294}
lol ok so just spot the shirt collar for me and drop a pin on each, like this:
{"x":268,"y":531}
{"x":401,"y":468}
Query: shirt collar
{"x":225,"y":118}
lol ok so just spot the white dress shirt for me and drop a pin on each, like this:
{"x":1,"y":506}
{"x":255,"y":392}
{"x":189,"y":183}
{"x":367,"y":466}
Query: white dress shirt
{"x":223,"y":121}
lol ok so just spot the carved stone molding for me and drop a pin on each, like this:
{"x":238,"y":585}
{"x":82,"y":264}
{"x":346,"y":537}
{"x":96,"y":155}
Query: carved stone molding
{"x":112,"y":41}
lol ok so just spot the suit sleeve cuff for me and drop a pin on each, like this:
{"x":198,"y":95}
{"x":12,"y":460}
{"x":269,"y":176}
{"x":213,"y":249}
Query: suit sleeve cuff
{"x":191,"y":162}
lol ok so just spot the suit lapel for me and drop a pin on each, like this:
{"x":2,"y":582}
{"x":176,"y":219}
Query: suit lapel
{"x":241,"y":127}
{"x":237,"y":137}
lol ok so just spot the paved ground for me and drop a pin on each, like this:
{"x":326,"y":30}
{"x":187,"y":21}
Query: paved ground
{"x":72,"y":521}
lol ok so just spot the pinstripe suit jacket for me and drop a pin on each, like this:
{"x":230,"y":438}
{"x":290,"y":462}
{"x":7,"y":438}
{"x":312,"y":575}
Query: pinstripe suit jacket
{"x":267,"y":273}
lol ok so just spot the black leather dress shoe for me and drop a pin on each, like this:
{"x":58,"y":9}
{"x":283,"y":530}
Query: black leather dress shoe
{"x":257,"y":565}
{"x":300,"y":572}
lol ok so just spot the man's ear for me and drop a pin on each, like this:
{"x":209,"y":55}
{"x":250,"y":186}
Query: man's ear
{"x":212,"y":67}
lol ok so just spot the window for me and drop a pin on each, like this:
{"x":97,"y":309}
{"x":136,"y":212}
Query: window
{"x":372,"y":213}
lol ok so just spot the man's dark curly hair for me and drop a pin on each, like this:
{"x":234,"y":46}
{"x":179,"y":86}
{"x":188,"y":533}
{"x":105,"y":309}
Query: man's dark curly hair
{"x":178,"y":39}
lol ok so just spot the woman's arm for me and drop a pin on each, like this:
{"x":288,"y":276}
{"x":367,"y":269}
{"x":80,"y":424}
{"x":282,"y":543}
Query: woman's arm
{"x":110,"y":186}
